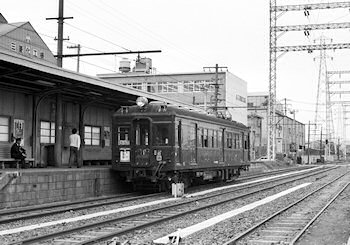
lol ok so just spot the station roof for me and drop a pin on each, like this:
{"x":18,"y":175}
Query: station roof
{"x":31,"y":76}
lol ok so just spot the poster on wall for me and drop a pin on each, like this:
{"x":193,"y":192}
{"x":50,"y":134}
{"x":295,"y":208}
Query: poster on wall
{"x":107,"y":135}
{"x":18,"y":129}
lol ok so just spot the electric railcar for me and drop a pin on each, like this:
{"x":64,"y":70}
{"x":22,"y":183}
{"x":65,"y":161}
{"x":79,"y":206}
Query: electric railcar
{"x":156,"y":144}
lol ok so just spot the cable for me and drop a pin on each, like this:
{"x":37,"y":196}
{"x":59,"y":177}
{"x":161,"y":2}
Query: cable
{"x":98,"y":37}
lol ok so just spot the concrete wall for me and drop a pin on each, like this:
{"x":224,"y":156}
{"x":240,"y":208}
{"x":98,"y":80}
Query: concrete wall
{"x":46,"y":186}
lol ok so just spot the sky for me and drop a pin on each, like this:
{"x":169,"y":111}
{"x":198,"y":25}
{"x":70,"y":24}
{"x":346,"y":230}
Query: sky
{"x":193,"y":34}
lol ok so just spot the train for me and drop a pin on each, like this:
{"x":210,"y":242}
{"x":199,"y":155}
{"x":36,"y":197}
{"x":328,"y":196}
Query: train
{"x":156,"y":144}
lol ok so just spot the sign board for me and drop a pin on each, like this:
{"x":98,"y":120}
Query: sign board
{"x":124,"y":154}
{"x":18,"y":129}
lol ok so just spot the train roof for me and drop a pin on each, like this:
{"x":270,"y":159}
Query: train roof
{"x":163,"y":109}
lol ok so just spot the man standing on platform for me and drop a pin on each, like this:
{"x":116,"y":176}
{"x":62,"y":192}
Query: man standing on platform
{"x":74,"y":147}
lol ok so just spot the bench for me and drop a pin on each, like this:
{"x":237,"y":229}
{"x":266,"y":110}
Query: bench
{"x":11,"y":161}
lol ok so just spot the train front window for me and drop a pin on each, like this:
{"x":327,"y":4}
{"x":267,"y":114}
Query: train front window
{"x":141,"y":134}
{"x":161,"y":134}
{"x":123,"y":136}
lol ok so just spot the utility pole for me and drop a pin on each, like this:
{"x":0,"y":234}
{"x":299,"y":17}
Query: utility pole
{"x":216,"y":86}
{"x":60,"y":38}
{"x":308,"y":144}
{"x":321,"y":146}
{"x":285,"y":106}
{"x":78,"y":54}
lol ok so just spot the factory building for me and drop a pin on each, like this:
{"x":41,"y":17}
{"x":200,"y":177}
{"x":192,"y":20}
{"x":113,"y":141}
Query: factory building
{"x":290,"y":133}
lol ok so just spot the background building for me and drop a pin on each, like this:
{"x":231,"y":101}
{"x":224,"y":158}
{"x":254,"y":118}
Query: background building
{"x":21,"y":38}
{"x":290,"y":133}
{"x":196,"y":88}
{"x":255,"y":124}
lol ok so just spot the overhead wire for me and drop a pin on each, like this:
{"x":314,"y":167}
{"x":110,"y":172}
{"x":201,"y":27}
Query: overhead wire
{"x":142,"y":28}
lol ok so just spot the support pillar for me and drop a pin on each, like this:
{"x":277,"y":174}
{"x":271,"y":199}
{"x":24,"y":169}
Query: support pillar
{"x":58,"y":131}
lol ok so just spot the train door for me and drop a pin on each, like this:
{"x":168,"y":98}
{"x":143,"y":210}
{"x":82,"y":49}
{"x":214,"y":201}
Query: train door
{"x":194,"y":143}
{"x":222,"y":144}
{"x":141,"y":138}
{"x":243,"y":147}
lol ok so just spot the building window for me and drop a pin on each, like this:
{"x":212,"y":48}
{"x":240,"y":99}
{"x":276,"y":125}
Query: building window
{"x":35,"y":52}
{"x":188,"y":86}
{"x":27,"y":49}
{"x":92,"y":135}
{"x":20,"y":48}
{"x":27,"y":39}
{"x":13,"y":46}
{"x":151,"y":87}
{"x":162,"y":87}
{"x":47,"y":132}
{"x":4,"y":129}
{"x":41,"y":55}
{"x":137,"y":86}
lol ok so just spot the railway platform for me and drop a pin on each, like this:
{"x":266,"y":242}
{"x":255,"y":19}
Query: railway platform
{"x":34,"y":186}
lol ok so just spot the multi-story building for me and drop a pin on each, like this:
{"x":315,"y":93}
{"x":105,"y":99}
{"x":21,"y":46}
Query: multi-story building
{"x":196,"y":88}
{"x":290,"y":133}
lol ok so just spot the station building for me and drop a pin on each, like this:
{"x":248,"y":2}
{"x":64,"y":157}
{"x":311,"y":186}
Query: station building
{"x":197,"y":88}
{"x":290,"y":133}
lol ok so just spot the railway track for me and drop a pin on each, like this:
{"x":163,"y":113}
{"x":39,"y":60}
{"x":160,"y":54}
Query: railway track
{"x":98,"y":231}
{"x":269,"y":173}
{"x":12,"y":215}
{"x":287,"y":225}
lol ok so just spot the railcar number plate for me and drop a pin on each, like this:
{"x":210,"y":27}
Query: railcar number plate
{"x":124,"y":154}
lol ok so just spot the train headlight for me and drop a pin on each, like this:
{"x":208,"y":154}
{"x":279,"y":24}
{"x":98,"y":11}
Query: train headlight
{"x":141,"y":101}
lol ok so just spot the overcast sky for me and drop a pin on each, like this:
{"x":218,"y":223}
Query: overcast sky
{"x":192,"y":34}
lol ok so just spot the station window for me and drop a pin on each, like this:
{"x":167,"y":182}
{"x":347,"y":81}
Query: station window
{"x":4,"y":129}
{"x":92,"y":135}
{"x":47,"y":132}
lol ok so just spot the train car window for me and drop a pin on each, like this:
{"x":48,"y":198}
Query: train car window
{"x":229,"y":139}
{"x":178,"y":134}
{"x":141,"y":134}
{"x":220,"y":136}
{"x":240,"y":141}
{"x":237,"y":145}
{"x":201,"y":137}
{"x":206,"y":138}
{"x":161,"y":134}
{"x":245,"y":142}
{"x":123,"y":136}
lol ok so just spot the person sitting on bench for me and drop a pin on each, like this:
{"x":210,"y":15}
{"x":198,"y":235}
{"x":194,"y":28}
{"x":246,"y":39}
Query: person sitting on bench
{"x":17,"y":152}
